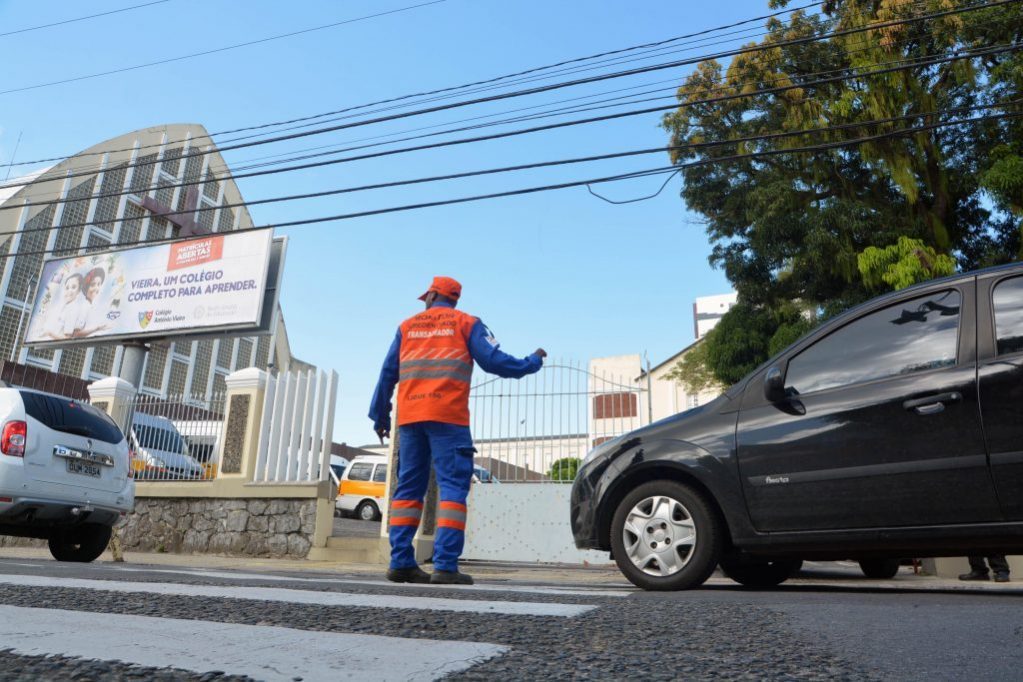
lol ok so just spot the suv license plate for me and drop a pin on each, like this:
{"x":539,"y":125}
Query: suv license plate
{"x":83,"y":468}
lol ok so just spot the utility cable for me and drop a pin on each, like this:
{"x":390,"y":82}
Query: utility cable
{"x":90,"y":16}
{"x":219,"y":49}
{"x":552,"y":187}
{"x":551,"y":126}
{"x":618,"y":74}
{"x":447,"y":89}
{"x":769,"y":137}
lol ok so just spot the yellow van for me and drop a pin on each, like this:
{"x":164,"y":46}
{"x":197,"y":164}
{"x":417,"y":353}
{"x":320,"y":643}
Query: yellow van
{"x":362,"y":487}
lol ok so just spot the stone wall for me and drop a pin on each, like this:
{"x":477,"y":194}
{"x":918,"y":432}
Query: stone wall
{"x":253,"y":527}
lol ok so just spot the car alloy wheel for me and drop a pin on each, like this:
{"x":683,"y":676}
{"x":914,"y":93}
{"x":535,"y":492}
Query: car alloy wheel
{"x":659,"y":535}
{"x":666,"y":535}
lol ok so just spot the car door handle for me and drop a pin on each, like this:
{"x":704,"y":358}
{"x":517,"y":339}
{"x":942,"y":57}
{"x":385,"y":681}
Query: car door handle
{"x":932,"y":404}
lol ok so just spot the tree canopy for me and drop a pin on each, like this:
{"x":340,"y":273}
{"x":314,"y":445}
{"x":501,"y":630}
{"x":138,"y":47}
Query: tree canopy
{"x":802,"y":235}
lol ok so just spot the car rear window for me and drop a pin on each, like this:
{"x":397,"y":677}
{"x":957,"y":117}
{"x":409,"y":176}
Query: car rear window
{"x":360,"y":472}
{"x":70,"y":416}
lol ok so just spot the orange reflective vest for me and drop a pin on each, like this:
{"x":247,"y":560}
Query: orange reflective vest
{"x":435,"y":367}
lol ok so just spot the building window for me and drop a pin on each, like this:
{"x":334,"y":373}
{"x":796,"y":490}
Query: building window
{"x":10,"y":319}
{"x":142,"y":176}
{"x":102,"y":360}
{"x":155,"y":362}
{"x":171,"y":162}
{"x":201,"y":368}
{"x":211,"y":186}
{"x":131,"y":227}
{"x":602,"y":440}
{"x":263,"y":352}
{"x":219,"y":383}
{"x":615,"y":406}
{"x":72,"y":362}
{"x":75,"y":213}
{"x":244,"y":353}
{"x":165,"y":191}
{"x":226,"y":222}
{"x":106,"y":206}
{"x":193,"y":166}
{"x":178,"y":377}
{"x":28,"y":262}
{"x":692,"y":401}
{"x":97,"y":243}
{"x":205,"y":217}
{"x":225,"y":352}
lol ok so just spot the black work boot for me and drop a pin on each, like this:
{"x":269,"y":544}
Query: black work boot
{"x":450,"y":578}
{"x":408,"y":575}
{"x":974,"y":575}
{"x":1001,"y":577}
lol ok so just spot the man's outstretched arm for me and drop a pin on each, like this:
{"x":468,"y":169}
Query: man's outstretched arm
{"x":380,"y":406}
{"x":487,"y":353}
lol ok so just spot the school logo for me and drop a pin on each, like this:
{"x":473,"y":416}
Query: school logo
{"x":145,"y":318}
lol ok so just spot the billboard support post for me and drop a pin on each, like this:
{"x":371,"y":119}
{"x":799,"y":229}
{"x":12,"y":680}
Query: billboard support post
{"x":133,"y":359}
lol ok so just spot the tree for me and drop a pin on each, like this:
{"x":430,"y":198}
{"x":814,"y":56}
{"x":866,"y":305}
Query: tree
{"x":564,"y":469}
{"x":803,"y":235}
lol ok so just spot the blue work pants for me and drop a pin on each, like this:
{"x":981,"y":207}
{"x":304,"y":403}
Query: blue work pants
{"x":449,"y":446}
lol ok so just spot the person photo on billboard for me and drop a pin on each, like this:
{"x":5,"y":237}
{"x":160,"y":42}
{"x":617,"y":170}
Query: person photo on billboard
{"x":96,"y":316}
{"x":68,"y":308}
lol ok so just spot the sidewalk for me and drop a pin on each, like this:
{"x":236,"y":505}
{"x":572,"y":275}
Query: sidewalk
{"x":815,"y":575}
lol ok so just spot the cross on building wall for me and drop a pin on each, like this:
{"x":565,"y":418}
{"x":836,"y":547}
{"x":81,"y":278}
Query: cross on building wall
{"x":183,"y":218}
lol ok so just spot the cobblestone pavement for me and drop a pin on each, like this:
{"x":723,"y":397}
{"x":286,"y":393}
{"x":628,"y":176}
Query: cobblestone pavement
{"x":106,"y":621}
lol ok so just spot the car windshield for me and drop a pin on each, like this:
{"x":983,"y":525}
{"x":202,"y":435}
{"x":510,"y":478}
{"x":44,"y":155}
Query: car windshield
{"x":158,"y":438}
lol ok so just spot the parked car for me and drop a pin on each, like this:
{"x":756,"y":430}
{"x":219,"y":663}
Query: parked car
{"x":63,"y":473}
{"x":363,"y":486}
{"x":159,"y":452}
{"x":893,"y":430}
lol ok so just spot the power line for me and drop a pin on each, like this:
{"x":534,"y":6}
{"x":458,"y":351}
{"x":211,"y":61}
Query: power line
{"x":551,"y":126}
{"x":90,"y":16}
{"x":589,"y":159}
{"x":451,"y":88}
{"x":219,"y":49}
{"x":593,"y":79}
{"x":565,"y":185}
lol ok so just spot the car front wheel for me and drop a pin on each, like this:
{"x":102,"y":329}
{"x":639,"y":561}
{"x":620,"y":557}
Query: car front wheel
{"x":666,"y":536}
{"x":753,"y":572}
{"x":82,"y":543}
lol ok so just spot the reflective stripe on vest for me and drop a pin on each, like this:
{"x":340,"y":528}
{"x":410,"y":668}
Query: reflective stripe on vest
{"x":451,"y":515}
{"x":435,"y":367}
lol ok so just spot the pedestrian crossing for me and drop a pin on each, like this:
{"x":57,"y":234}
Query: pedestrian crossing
{"x":51,"y":615}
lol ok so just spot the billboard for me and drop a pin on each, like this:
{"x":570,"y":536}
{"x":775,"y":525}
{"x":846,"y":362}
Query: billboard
{"x":187,"y":288}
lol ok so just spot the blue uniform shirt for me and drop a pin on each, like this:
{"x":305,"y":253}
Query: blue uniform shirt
{"x":483,"y":348}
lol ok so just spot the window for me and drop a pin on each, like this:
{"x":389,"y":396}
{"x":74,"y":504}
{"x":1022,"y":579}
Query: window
{"x":912,"y":336}
{"x":380,"y":474}
{"x":360,"y":472}
{"x":1008,"y":306}
{"x":71,"y":416}
{"x":615,"y":405}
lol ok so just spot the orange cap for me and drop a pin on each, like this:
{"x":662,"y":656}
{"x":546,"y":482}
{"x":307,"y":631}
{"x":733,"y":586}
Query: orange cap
{"x":445,"y":286}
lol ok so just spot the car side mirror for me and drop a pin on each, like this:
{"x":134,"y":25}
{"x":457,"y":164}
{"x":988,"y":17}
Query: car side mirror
{"x":774,"y":385}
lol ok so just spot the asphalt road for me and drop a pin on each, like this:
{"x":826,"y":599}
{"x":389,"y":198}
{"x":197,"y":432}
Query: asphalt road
{"x":131,"y":622}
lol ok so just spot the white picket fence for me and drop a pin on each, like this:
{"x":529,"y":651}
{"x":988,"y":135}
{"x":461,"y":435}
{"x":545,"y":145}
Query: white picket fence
{"x":297,"y":427}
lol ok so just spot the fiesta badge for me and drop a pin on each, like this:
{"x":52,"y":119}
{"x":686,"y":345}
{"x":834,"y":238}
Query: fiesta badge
{"x":145,"y":318}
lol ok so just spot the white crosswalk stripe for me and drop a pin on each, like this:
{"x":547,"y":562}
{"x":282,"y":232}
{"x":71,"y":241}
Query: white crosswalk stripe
{"x":271,"y":650}
{"x":262,"y":652}
{"x":278,"y":594}
{"x":515,"y":589}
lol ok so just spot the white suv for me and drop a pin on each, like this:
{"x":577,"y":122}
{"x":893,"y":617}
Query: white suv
{"x":63,"y":473}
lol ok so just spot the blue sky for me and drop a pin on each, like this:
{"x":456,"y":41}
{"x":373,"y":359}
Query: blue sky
{"x":562,"y":270}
